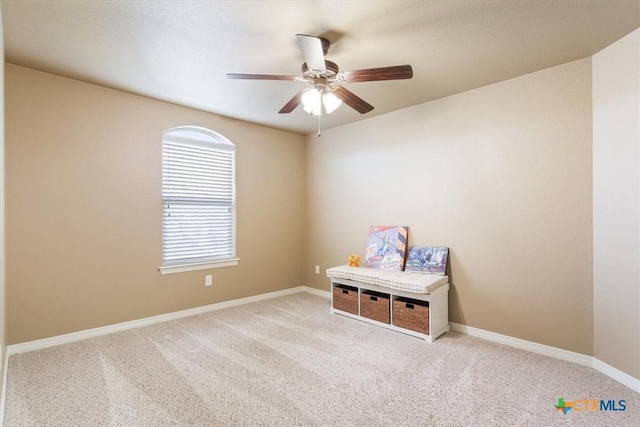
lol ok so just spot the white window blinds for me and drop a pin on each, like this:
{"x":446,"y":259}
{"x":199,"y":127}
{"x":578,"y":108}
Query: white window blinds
{"x":198,"y":193}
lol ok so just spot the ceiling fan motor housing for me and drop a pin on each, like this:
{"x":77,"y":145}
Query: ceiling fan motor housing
{"x":331,"y":69}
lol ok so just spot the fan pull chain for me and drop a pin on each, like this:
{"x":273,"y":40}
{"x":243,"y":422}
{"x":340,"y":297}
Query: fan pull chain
{"x":319,"y":131}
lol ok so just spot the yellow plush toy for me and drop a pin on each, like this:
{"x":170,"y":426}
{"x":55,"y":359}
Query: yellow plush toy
{"x":354,"y":261}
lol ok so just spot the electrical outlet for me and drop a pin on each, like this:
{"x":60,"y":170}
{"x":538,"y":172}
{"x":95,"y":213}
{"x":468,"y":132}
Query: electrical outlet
{"x":208,"y":280}
{"x":317,"y":269}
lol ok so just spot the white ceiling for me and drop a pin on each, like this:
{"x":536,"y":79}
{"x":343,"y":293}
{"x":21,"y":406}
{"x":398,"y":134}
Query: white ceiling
{"x":180,"y":51}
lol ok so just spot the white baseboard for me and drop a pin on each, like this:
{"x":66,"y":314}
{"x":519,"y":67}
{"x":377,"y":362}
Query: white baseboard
{"x":118,"y":327}
{"x":617,"y":374}
{"x":558,"y":353}
{"x":546,"y":350}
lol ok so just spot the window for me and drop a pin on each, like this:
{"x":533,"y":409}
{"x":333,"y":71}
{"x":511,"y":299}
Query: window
{"x":198,"y":196}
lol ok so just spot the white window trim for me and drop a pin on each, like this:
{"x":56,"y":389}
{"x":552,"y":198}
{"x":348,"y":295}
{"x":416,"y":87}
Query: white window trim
{"x":224,"y":144}
{"x":181,"y":268}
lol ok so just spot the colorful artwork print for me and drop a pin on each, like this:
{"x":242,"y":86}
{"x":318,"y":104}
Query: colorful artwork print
{"x":386,"y":247}
{"x":428,"y":259}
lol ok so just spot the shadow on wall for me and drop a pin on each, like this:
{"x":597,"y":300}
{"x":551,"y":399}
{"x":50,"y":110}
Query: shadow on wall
{"x":454,"y":299}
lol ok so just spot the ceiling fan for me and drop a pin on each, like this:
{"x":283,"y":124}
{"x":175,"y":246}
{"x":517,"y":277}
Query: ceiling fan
{"x":323,"y":75}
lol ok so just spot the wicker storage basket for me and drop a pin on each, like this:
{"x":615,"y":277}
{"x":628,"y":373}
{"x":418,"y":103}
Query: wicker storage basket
{"x":345,"y":298}
{"x":411,"y":314}
{"x":375,"y":305}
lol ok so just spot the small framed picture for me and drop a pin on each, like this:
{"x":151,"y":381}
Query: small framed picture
{"x":386,"y":247}
{"x":428,"y":259}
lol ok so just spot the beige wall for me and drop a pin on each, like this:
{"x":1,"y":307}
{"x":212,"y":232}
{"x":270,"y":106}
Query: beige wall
{"x":84,"y":208}
{"x":2,"y":215}
{"x":616,"y":204}
{"x":501,"y":175}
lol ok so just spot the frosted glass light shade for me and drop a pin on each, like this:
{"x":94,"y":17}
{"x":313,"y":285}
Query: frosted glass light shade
{"x":311,"y":102}
{"x":331,"y":102}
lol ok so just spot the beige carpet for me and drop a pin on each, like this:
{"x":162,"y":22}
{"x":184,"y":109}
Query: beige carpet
{"x":287,"y":361}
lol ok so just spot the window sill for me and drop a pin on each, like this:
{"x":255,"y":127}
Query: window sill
{"x":181,"y":268}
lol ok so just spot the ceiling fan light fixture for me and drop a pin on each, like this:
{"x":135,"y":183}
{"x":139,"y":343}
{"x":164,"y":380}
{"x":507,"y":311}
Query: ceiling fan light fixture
{"x":314,"y":99}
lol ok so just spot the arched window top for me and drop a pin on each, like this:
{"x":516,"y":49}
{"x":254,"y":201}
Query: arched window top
{"x":198,"y":135}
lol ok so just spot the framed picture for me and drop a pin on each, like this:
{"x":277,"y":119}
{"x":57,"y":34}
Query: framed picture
{"x":386,"y":247}
{"x":428,"y":259}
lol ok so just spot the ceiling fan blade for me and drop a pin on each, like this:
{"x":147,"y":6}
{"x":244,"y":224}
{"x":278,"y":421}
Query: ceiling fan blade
{"x":313,"y":51}
{"x":397,"y":72}
{"x":292,"y":104}
{"x":261,"y":77}
{"x":352,"y":100}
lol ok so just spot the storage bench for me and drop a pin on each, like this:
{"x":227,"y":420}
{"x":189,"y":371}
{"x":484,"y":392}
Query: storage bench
{"x":416,"y":303}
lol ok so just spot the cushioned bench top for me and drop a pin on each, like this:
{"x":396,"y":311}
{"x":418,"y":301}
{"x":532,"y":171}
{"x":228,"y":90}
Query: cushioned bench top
{"x":419,"y":283}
